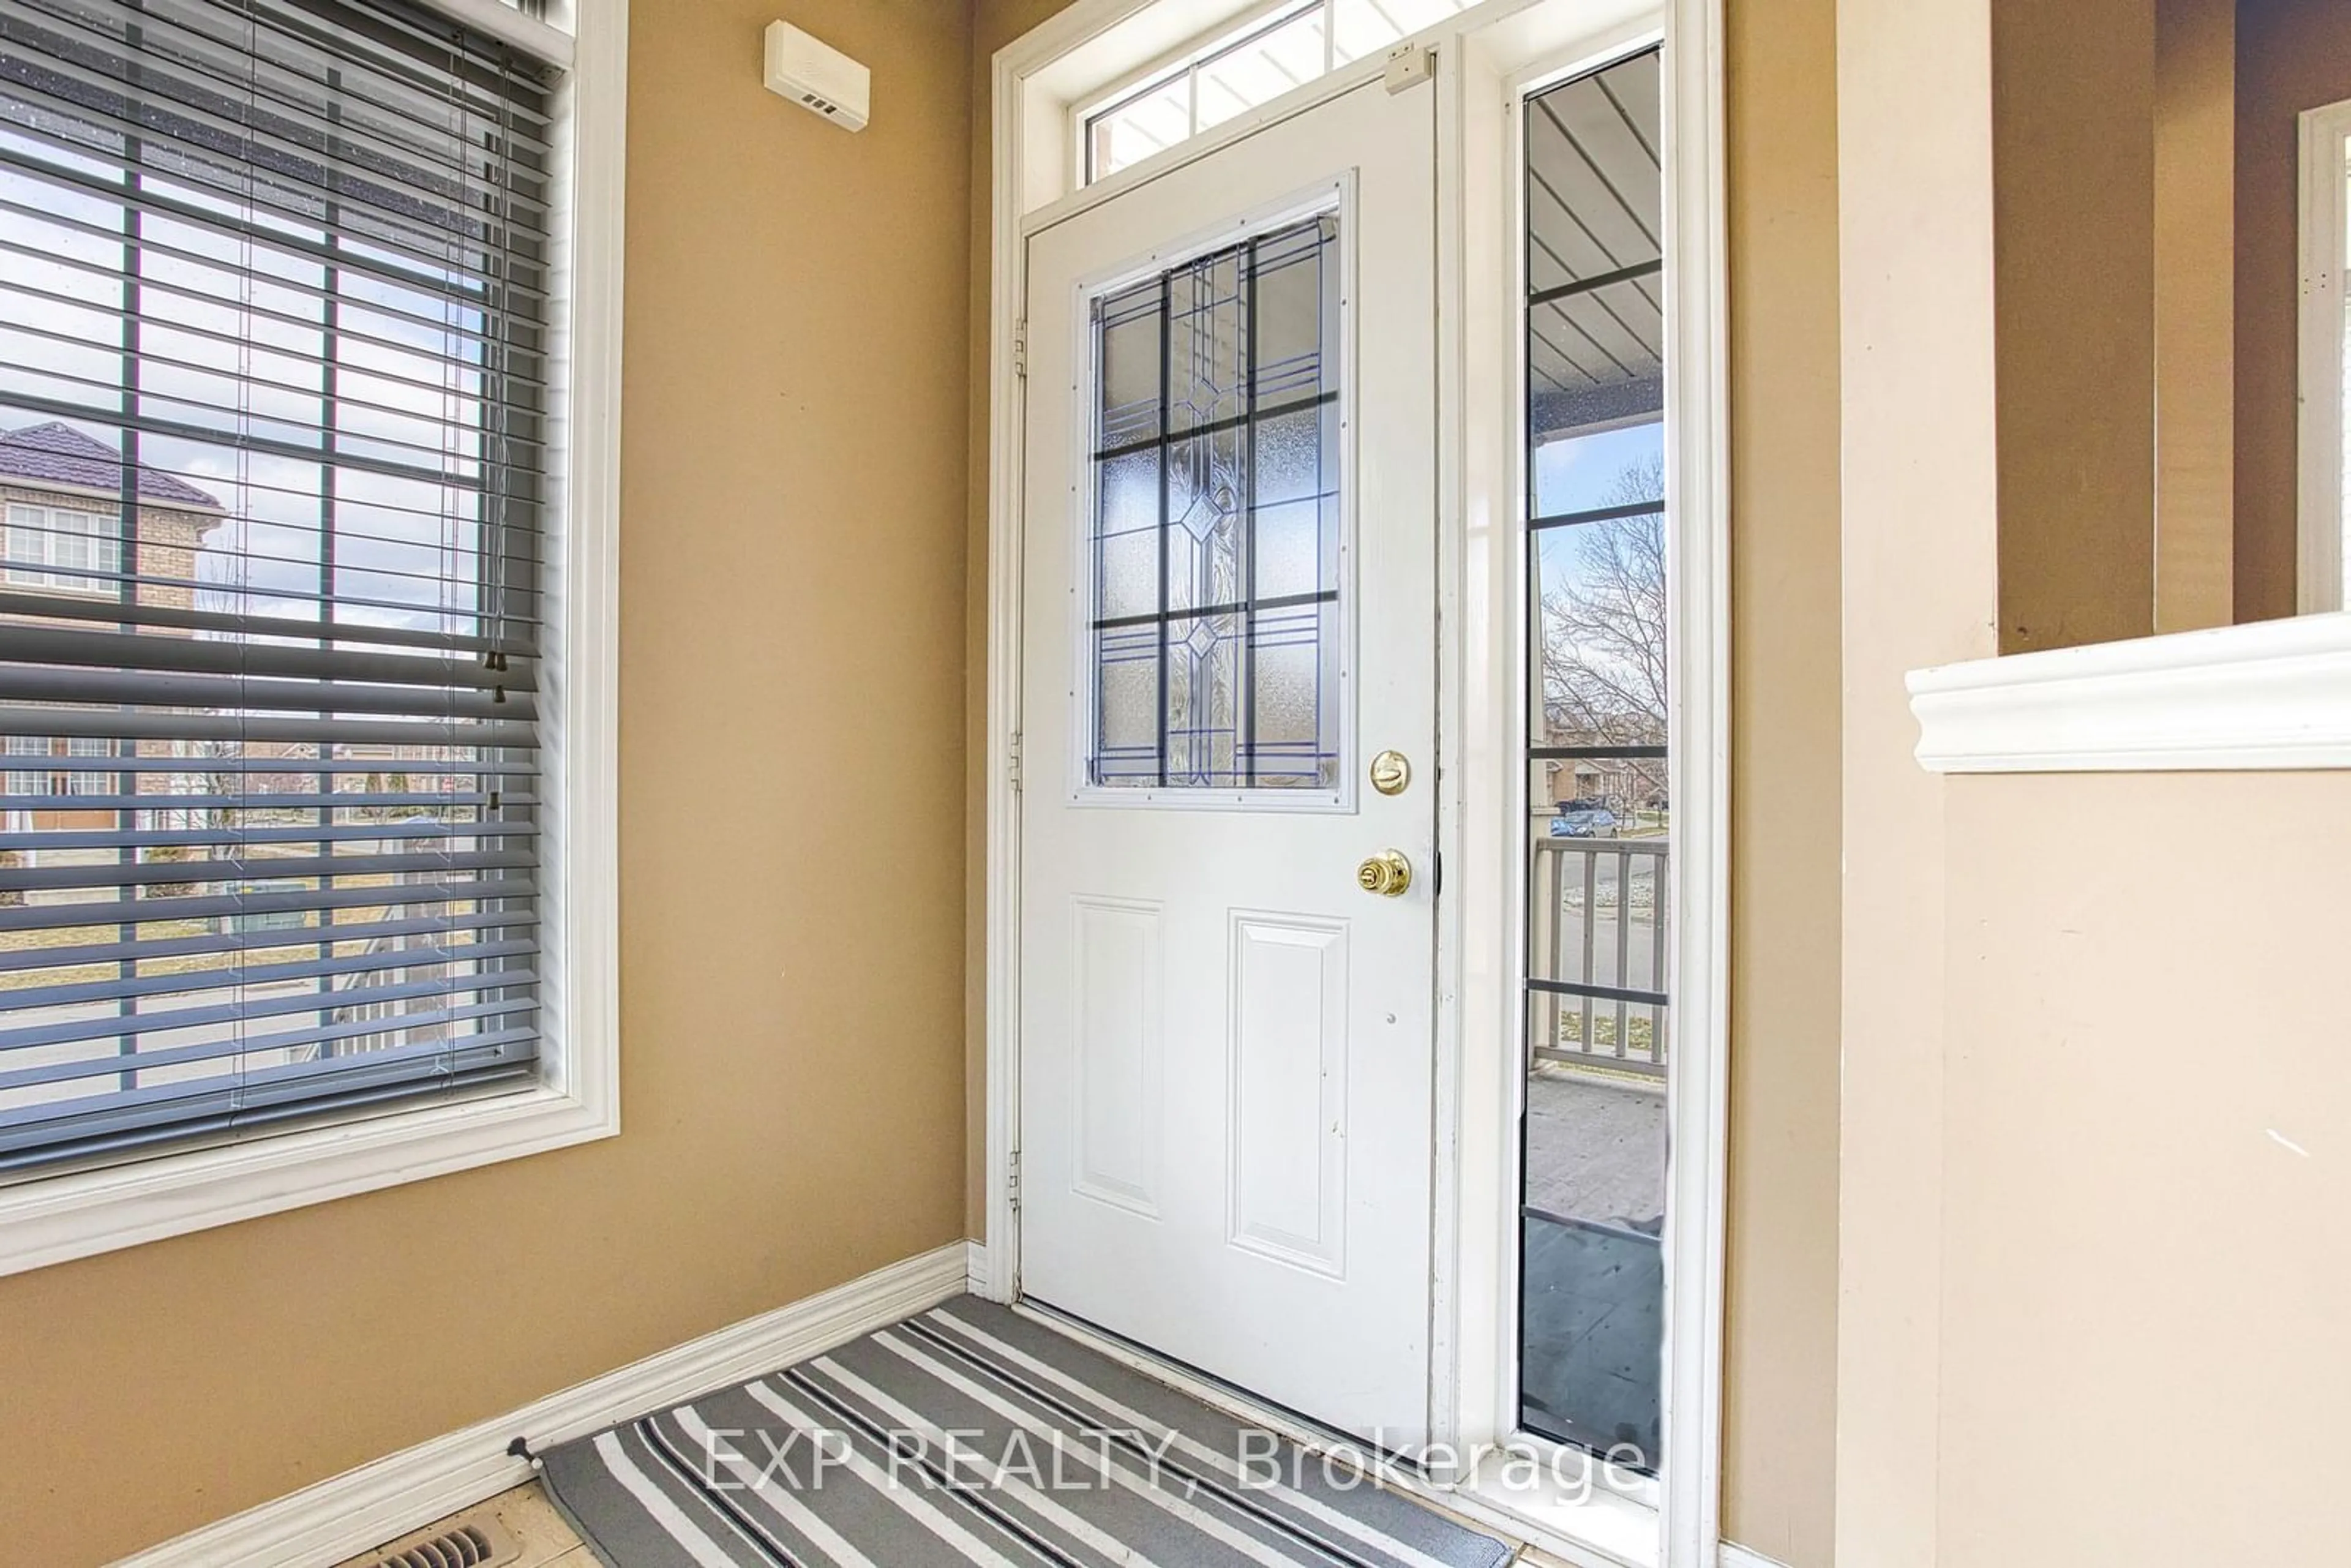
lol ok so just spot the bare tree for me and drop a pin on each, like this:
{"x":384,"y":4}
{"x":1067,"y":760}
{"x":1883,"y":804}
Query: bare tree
{"x":1604,"y":633}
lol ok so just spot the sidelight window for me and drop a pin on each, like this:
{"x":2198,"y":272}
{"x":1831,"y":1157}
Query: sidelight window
{"x":1599,"y":841}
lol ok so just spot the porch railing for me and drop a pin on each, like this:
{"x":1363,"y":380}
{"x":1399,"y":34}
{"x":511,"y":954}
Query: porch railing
{"x":1597,"y":953}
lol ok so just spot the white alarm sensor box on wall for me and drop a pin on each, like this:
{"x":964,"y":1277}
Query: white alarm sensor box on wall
{"x":818,"y":77}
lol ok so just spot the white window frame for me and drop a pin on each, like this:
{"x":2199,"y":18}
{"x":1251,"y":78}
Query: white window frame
{"x":89,"y":781}
{"x":50,"y":1219}
{"x":2325,"y":206}
{"x":35,"y":780}
{"x":1182,"y":62}
{"x":1672,"y":1516}
{"x":1187,"y":60}
{"x":45,"y":571}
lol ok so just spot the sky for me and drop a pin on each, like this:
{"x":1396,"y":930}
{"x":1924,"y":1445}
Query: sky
{"x":236,"y":335}
{"x":1578,"y":472}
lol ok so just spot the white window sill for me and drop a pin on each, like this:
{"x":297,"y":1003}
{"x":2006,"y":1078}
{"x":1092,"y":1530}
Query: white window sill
{"x":53,"y":1219}
{"x":2271,"y":695}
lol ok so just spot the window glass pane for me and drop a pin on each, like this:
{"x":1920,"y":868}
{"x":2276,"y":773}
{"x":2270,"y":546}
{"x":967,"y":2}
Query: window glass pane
{"x":1598,"y":834}
{"x":1231,"y":73}
{"x":1600,"y":599}
{"x":1134,"y":129}
{"x":27,"y":781}
{"x":1216,"y":521}
{"x":1260,"y":69}
{"x":272,"y":377}
{"x":89,"y":745}
{"x":64,"y":548}
{"x":1363,"y":27}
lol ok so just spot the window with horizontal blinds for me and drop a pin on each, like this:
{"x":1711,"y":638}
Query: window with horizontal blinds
{"x":274,"y":310}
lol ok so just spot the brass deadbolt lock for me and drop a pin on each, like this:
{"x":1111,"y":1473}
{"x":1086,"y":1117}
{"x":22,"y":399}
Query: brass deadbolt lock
{"x":1387,"y":873}
{"x":1391,"y":772}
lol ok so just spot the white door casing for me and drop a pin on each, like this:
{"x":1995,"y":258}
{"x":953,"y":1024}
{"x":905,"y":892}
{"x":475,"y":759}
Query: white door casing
{"x":1225,"y":1115}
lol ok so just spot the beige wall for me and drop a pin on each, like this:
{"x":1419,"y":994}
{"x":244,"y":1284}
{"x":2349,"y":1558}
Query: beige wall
{"x":2195,"y":312}
{"x":1779,"y":1424}
{"x":2083,"y":426}
{"x":2147,"y":1278}
{"x":1920,"y":489}
{"x":2074,"y":337}
{"x":2292,"y":55}
{"x":2092,"y":1302}
{"x":792,"y":582}
{"x":2232,"y":76}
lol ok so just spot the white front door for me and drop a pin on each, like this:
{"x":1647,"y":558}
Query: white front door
{"x":1229,"y":579}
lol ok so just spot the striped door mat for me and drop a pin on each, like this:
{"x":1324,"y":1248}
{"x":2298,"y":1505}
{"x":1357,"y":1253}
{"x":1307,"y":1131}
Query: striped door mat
{"x":973,"y":1434}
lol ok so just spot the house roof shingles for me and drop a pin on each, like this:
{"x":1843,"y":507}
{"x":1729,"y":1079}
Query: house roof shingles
{"x":58,"y":453}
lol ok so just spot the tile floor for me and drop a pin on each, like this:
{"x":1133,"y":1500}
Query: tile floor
{"x":532,"y":1521}
{"x":546,"y":1539}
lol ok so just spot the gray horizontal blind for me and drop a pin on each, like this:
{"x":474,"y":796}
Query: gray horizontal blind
{"x":272,"y":289}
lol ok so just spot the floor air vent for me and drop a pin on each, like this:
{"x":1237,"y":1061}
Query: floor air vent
{"x":468,"y":1546}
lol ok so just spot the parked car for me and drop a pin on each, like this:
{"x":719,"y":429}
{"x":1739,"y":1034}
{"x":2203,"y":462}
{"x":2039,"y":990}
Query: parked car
{"x":1582,"y":820}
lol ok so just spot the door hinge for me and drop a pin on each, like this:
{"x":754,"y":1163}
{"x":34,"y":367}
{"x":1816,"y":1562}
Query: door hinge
{"x":1012,"y":1180}
{"x":1020,"y":350}
{"x":1435,"y":872}
{"x":1012,"y":761}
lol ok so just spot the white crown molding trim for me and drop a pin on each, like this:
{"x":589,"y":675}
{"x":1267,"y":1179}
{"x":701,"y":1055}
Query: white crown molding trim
{"x":2271,"y":695}
{"x":386,"y":1499}
{"x":1741,"y":1557}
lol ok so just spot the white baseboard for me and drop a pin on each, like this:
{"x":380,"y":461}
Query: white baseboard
{"x":348,"y":1513}
{"x":975,"y":1269}
{"x":1741,"y":1557}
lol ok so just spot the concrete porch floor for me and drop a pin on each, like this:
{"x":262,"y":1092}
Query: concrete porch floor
{"x":1595,"y":1147}
{"x":1593,"y":1270}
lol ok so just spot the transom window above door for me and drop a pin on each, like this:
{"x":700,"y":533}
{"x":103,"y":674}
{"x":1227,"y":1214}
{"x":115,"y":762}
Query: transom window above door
{"x":1237,"y":68}
{"x":1216,"y":547}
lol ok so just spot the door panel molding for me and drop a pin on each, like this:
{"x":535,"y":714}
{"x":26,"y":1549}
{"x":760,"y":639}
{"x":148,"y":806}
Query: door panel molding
{"x":1121,"y":970}
{"x":1275,"y":998}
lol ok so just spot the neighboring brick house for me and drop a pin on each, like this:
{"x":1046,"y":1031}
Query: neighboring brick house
{"x":61,"y":507}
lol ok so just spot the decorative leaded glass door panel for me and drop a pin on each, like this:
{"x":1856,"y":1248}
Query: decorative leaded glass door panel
{"x":1226,"y":981}
{"x":1217,"y":519}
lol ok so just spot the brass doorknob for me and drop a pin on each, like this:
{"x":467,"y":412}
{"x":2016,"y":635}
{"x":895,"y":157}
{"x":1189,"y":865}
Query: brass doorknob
{"x":1387,"y":873}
